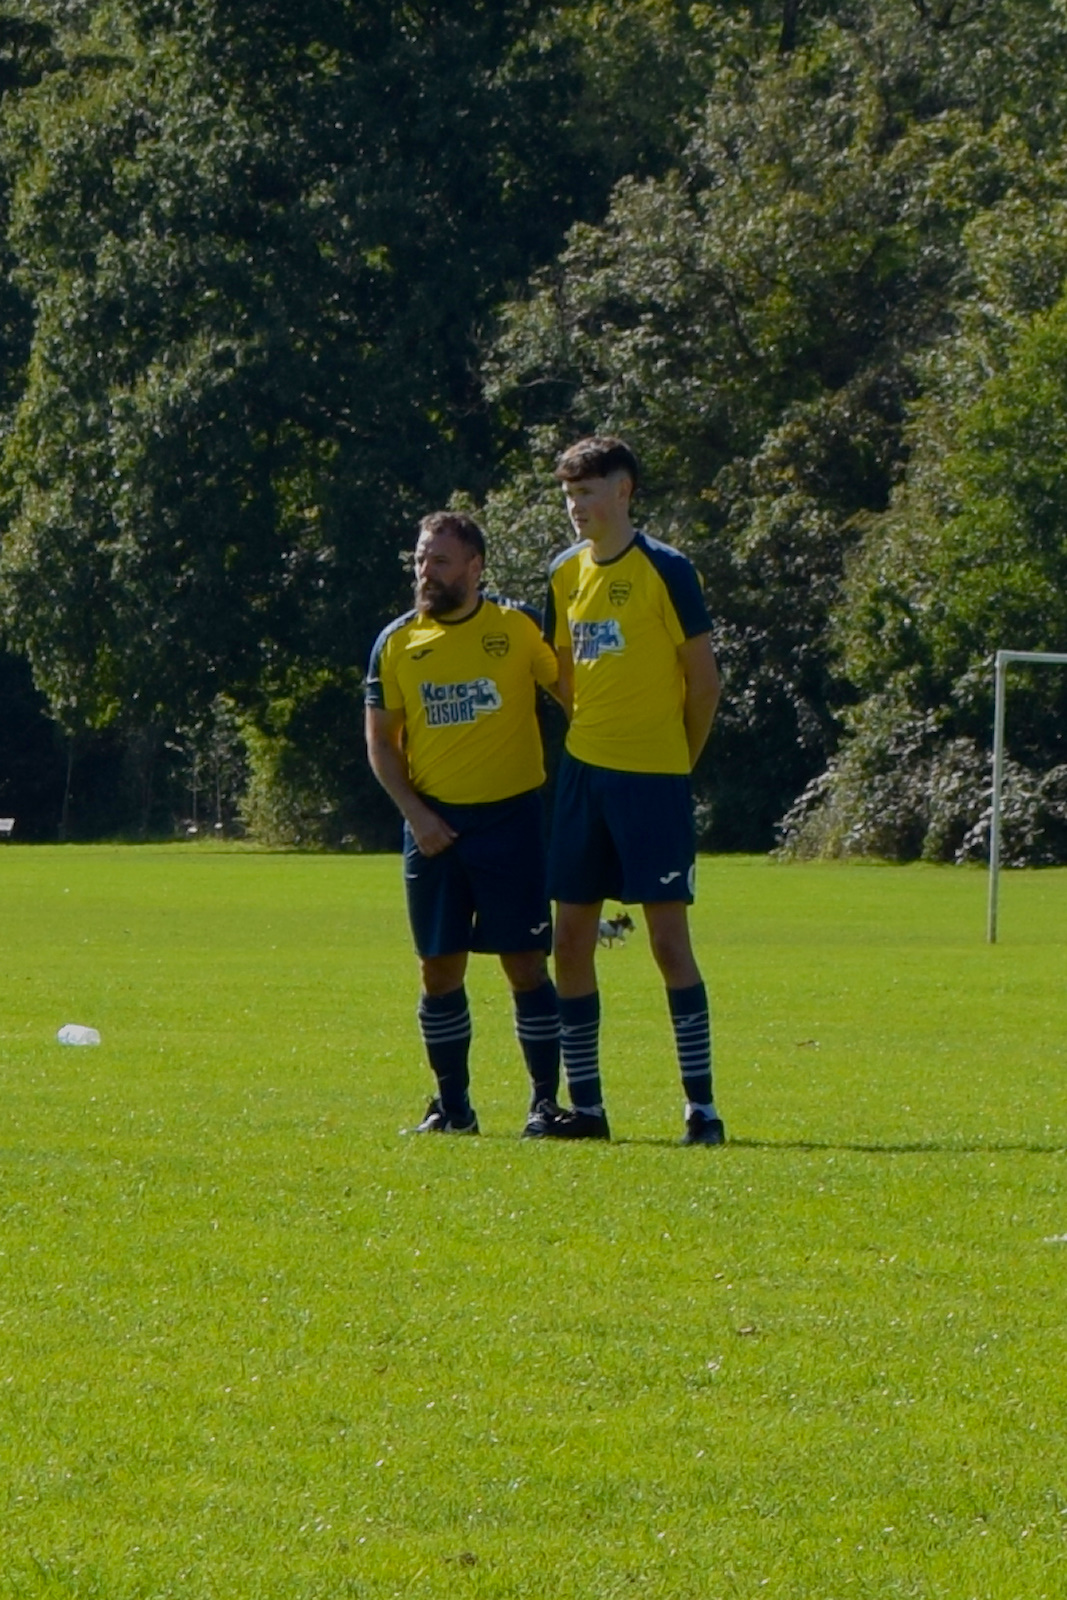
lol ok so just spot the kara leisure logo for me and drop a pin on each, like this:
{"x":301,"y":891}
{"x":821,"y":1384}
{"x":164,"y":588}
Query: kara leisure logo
{"x":591,"y":640}
{"x":451,"y":705}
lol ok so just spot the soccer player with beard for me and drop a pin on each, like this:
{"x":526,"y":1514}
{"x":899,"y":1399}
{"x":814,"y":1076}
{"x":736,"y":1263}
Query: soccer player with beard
{"x":453,"y":738}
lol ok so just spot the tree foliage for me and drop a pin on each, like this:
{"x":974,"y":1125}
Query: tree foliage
{"x":259,"y":241}
{"x":972,"y":558}
{"x":280,"y":279}
{"x":253,"y":338}
{"x":766,"y":322}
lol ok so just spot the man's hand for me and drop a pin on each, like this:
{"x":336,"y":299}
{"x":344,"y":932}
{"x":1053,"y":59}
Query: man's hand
{"x":432,"y":834}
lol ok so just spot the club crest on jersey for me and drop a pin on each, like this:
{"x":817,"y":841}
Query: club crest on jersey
{"x":496,"y":644}
{"x":449,"y":705}
{"x":591,"y":640}
{"x":619,"y":592}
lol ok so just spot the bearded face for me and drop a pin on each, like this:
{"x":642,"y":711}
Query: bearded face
{"x":446,"y":575}
{"x":436,"y":598}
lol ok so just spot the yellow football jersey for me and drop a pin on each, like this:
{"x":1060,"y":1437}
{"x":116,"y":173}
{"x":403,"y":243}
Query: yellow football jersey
{"x":468,"y":693}
{"x":623,"y":621}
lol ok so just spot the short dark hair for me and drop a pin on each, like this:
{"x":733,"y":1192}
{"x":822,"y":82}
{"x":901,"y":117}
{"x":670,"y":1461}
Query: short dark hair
{"x":459,"y":525}
{"x":596,"y":457}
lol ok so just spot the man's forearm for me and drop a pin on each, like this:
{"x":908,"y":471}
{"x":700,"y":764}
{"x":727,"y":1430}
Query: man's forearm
{"x":391,"y":770}
{"x":564,"y":686}
{"x":699,"y":717}
{"x":703,"y":686}
{"x":701,"y":705}
{"x":431,"y":832}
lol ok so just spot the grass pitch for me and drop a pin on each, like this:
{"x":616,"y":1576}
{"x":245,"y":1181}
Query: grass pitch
{"x":253,"y":1344}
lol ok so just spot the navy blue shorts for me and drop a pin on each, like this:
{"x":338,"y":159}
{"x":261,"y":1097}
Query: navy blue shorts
{"x":621,"y":836}
{"x":487,"y":891}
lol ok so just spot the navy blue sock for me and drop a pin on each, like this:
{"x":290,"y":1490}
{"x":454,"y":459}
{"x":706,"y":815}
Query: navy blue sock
{"x":692,"y":1037}
{"x":580,"y":1043}
{"x":445,"y":1021}
{"x":537,"y":1030}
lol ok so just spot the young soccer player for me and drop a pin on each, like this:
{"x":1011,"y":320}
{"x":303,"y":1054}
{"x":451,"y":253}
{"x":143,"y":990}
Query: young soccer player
{"x":452,"y":736}
{"x":627,"y":618}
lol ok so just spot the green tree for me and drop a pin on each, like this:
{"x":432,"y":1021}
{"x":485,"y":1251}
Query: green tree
{"x":260,"y":240}
{"x":971,"y":558}
{"x":758,"y":323}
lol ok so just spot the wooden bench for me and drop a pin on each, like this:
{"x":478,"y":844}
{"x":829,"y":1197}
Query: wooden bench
{"x":7,"y":826}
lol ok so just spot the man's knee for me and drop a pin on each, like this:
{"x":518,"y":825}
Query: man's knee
{"x":576,"y":932}
{"x":672,"y":948}
{"x":442,"y":974}
{"x":525,"y":970}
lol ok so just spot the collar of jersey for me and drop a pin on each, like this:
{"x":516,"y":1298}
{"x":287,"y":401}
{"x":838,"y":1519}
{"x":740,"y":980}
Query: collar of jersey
{"x":610,"y":562}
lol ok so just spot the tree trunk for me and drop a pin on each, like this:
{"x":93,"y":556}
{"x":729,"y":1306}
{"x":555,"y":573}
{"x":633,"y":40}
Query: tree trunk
{"x":64,"y":816}
{"x":787,"y":39}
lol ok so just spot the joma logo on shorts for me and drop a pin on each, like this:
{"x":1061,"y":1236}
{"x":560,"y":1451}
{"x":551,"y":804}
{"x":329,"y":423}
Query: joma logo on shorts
{"x":591,"y":640}
{"x":449,"y":705}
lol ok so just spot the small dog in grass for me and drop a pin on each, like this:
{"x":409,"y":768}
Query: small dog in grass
{"x":615,"y":930}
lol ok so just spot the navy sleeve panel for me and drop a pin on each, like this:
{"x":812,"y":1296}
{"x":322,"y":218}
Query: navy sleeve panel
{"x":681,"y":582}
{"x":549,"y":630}
{"x":518,"y":605}
{"x":373,"y":693}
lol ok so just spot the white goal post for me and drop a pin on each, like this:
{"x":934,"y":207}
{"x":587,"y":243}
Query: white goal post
{"x":1004,"y":658}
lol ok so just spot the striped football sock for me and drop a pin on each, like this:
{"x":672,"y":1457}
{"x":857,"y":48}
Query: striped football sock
{"x":445,"y":1022}
{"x":537,"y":1030}
{"x":580,"y":1043}
{"x":692,"y":1036}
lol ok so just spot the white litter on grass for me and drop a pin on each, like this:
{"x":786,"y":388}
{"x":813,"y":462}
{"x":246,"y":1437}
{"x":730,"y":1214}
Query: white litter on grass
{"x":1056,"y":1238}
{"x":75,"y":1033}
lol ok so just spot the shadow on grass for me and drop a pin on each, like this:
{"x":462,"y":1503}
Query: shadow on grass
{"x":918,"y":1147}
{"x":926,"y":1147}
